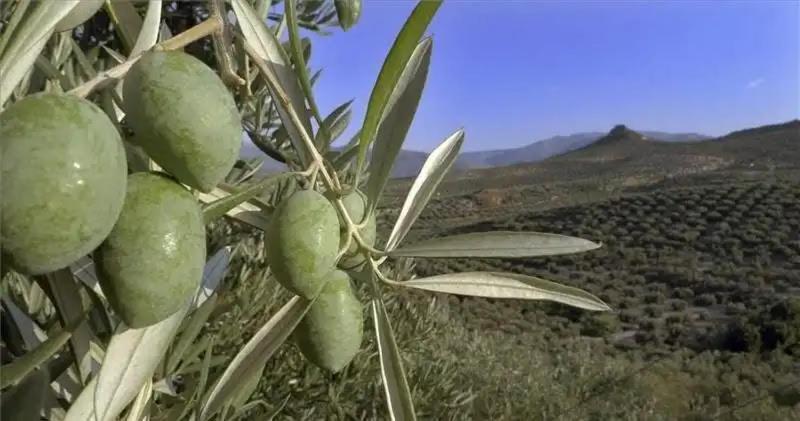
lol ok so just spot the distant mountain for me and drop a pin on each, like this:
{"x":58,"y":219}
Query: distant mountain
{"x":409,"y":162}
{"x":624,"y":157}
{"x":533,"y":152}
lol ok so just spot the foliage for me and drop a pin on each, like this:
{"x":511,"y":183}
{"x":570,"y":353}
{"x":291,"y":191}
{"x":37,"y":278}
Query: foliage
{"x":205,"y":359}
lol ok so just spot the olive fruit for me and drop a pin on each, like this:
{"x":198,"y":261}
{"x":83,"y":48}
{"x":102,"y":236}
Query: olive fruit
{"x":63,"y":180}
{"x":152,"y":262}
{"x":347,"y":12}
{"x":330,"y":333}
{"x":82,"y":11}
{"x":355,"y":205}
{"x":302,"y":242}
{"x":184,"y":117}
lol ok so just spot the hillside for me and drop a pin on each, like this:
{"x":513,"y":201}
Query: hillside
{"x":409,"y":162}
{"x":701,"y":262}
{"x":624,"y":158}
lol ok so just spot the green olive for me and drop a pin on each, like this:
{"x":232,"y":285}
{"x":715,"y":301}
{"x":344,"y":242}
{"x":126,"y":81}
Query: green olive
{"x":184,"y":117}
{"x":302,"y":242}
{"x":355,"y":205}
{"x":63,"y":180}
{"x":330,"y":333}
{"x":152,"y":262}
{"x":347,"y":12}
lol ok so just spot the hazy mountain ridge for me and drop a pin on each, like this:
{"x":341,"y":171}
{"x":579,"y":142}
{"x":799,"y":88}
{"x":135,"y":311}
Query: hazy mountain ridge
{"x":409,"y":162}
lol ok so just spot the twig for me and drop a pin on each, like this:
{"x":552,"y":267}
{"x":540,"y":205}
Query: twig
{"x":179,"y":41}
{"x":221,"y":40}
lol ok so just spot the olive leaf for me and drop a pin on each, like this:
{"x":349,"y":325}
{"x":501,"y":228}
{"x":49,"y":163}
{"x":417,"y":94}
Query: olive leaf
{"x":262,"y":8}
{"x":15,"y":371}
{"x":400,"y":53}
{"x":398,"y":394}
{"x":67,"y":299}
{"x":8,"y":29}
{"x":24,"y":401}
{"x":496,"y":244}
{"x":268,"y":49}
{"x":296,"y":50}
{"x":220,"y":202}
{"x":507,"y":285}
{"x":81,"y":13}
{"x":127,"y":21}
{"x":433,"y":170}
{"x":335,"y":123}
{"x":148,"y":35}
{"x":139,"y":407}
{"x":193,"y":326}
{"x":30,"y":332}
{"x":396,"y":120}
{"x":130,"y":360}
{"x":213,"y":272}
{"x":261,"y":346}
{"x":28,"y":41}
{"x":347,"y":153}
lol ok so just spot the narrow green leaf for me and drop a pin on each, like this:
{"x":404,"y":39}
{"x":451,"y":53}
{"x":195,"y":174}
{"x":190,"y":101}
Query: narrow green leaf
{"x":347,"y":12}
{"x":347,"y":154}
{"x":217,"y":208}
{"x":32,"y":335}
{"x":401,"y":51}
{"x":315,"y":77}
{"x":262,"y":8}
{"x":497,"y":244}
{"x":298,"y":57}
{"x":397,"y":118}
{"x":248,"y":384}
{"x":66,"y":296}
{"x":130,"y":360}
{"x":139,"y":406}
{"x":50,"y":70}
{"x":398,"y":394}
{"x":189,"y":333}
{"x":15,"y":371}
{"x":335,"y":124}
{"x":337,"y":121}
{"x":29,"y":40}
{"x":25,"y":401}
{"x":215,"y":269}
{"x":507,"y":285}
{"x":80,"y":14}
{"x":206,"y":368}
{"x":127,"y":21}
{"x":433,"y":170}
{"x":268,"y":48}
{"x":8,"y":29}
{"x":148,"y":35}
{"x":262,"y":345}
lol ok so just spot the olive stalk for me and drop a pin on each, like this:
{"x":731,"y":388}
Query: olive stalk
{"x":181,"y":40}
{"x":379,"y":274}
{"x":220,"y":38}
{"x":329,"y":182}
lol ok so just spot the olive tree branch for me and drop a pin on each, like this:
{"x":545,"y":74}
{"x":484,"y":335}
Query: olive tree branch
{"x":220,"y":38}
{"x":181,"y":40}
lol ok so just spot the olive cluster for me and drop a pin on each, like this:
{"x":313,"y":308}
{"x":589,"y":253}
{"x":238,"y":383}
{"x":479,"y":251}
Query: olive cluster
{"x":304,"y":239}
{"x":67,"y":191}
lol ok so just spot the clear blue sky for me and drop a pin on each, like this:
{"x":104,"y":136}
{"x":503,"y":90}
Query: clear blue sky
{"x":512,"y":72}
